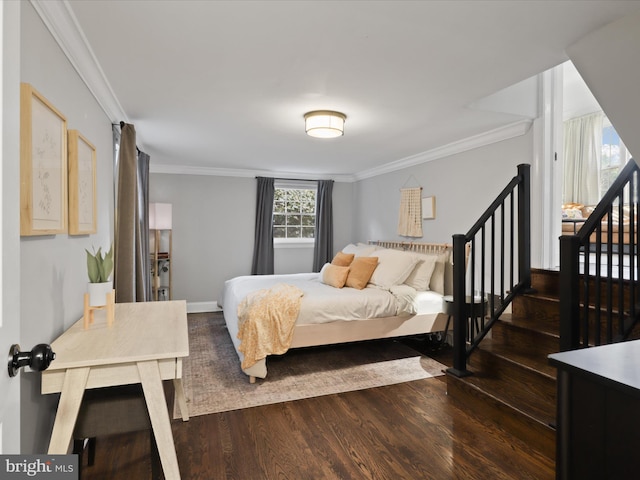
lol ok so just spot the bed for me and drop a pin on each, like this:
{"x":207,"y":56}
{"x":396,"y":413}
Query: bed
{"x":402,"y":296}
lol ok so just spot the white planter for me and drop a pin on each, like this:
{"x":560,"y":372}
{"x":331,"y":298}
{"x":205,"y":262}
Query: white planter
{"x":98,"y":293}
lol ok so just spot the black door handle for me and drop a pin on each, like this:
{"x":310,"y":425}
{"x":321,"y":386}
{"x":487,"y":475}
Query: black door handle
{"x":39,"y":358}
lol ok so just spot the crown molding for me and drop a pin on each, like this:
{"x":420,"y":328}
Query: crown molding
{"x":230,"y":172}
{"x":487,"y":138}
{"x":58,"y":17}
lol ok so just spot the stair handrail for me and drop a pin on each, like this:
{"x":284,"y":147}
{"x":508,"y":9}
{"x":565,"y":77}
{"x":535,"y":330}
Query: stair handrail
{"x":586,"y":297}
{"x":467,"y":299}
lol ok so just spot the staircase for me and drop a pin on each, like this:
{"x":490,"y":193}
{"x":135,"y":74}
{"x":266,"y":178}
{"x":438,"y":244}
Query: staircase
{"x":502,"y":375}
{"x":512,"y":384}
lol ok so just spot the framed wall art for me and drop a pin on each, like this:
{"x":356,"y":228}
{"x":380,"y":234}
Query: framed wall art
{"x":82,"y":184}
{"x":428,"y":208}
{"x":43,"y":165}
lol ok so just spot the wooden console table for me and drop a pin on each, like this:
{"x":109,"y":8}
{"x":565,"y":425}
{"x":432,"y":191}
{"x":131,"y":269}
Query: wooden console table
{"x":145,"y":344}
{"x":597,"y":420}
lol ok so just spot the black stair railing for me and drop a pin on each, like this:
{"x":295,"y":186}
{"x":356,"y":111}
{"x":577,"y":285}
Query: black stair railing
{"x":599,"y":270}
{"x":498,"y":267}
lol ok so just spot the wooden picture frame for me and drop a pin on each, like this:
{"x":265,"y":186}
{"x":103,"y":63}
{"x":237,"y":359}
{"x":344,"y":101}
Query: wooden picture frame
{"x":428,"y":208}
{"x":43,"y":165}
{"x":82,"y":185}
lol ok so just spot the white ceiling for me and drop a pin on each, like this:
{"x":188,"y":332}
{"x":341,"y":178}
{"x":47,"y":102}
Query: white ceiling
{"x":577,"y":99}
{"x":224,"y":85}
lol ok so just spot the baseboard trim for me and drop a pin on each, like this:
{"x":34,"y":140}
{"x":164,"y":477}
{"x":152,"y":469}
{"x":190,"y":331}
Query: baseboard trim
{"x":201,"y":307}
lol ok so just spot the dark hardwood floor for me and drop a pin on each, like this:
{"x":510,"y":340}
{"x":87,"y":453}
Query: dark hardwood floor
{"x":406,"y":431}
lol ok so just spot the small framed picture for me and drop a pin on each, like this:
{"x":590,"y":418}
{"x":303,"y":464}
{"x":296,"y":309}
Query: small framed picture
{"x":428,"y":208}
{"x":43,"y":165}
{"x":82,"y":185}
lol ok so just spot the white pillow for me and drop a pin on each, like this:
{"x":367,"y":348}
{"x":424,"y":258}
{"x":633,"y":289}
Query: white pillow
{"x":322,"y":271}
{"x":420,"y":277}
{"x":334,"y":275}
{"x":394,"y":266}
{"x":436,"y":284}
{"x":359,"y":250}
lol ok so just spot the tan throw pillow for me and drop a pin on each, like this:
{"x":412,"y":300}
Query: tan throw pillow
{"x":342,"y":259}
{"x":334,"y":275}
{"x":360,"y":271}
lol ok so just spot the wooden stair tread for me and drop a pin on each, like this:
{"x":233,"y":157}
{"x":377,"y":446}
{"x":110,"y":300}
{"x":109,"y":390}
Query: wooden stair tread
{"x":540,"y":333}
{"x":534,"y":395}
{"x":537,"y":312}
{"x":520,"y":356}
{"x":542,"y":296}
{"x":544,"y":419}
{"x":545,"y":281}
{"x":537,"y":434}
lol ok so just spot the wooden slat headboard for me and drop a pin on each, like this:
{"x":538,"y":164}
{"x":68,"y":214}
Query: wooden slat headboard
{"x":417,"y":247}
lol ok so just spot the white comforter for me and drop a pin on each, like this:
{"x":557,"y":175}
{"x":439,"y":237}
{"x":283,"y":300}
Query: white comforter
{"x":322,"y":303}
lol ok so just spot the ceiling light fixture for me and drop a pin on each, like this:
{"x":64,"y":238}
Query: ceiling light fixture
{"x":324,"y":123}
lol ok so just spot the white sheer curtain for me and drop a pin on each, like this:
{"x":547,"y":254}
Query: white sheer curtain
{"x":410,"y":223}
{"x":582,"y":151}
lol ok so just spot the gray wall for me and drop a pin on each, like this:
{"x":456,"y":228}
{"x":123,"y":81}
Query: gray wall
{"x":213,"y":228}
{"x":53,"y":268}
{"x":464,"y":185}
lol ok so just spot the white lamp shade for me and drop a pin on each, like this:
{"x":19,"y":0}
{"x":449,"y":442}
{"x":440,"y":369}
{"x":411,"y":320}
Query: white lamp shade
{"x":324,"y":124}
{"x":160,"y":216}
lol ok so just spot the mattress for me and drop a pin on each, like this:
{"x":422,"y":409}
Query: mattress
{"x":324,"y":304}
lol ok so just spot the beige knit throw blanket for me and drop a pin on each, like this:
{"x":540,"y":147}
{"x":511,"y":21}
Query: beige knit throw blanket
{"x":266,"y":319}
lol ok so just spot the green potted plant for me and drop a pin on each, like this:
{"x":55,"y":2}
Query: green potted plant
{"x":99,"y":269}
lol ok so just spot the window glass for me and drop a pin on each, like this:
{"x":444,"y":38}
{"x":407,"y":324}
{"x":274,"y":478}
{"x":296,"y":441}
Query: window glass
{"x":614,"y":156}
{"x":294,"y":212}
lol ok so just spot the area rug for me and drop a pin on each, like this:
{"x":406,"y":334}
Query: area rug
{"x":214,"y":382}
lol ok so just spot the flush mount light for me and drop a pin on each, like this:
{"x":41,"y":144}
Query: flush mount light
{"x":324,"y":123}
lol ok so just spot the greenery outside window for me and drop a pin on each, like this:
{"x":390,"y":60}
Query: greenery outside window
{"x":294,"y":212}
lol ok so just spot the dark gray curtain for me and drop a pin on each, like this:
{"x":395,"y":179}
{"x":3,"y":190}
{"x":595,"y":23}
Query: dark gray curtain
{"x":323,"y":247}
{"x":131,"y":271}
{"x":263,"y":240}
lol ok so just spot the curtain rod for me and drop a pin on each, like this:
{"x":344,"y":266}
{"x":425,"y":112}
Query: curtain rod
{"x":121,"y":127}
{"x":291,"y":179}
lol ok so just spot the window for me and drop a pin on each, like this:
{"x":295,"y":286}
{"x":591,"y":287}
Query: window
{"x":294,"y":211}
{"x":614,"y":156}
